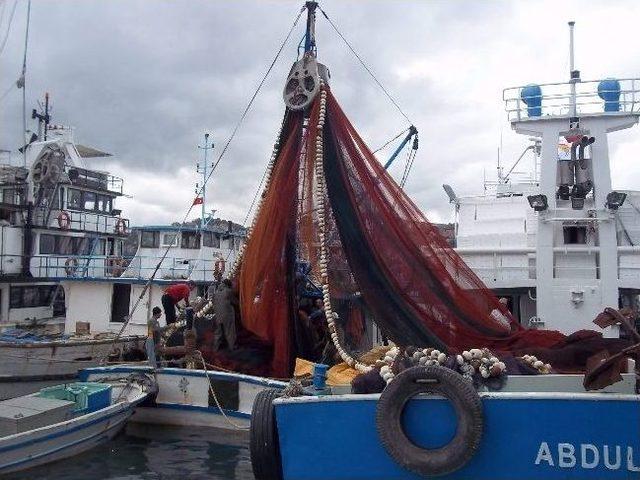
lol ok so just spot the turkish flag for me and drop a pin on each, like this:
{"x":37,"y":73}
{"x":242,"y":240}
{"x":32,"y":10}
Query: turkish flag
{"x":198,"y":201}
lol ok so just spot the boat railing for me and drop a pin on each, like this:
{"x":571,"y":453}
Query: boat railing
{"x":508,"y":265}
{"x":592,"y":97}
{"x":114,"y":266}
{"x":89,"y":221}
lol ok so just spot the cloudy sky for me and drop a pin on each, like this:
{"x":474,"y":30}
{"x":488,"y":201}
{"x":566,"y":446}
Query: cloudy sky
{"x":145,"y":79}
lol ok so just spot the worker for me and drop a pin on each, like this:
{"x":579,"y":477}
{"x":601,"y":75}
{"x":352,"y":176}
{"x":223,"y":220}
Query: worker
{"x":217,"y":276}
{"x":173,"y":295}
{"x":153,"y":335}
{"x":223,"y":301}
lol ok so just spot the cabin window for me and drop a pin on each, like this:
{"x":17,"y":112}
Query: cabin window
{"x":575,"y":235}
{"x":104,"y":204}
{"x":149,"y":239}
{"x":89,"y":200}
{"x":65,"y":245}
{"x":31,"y":296}
{"x":210,"y":239}
{"x":100,"y":247}
{"x":170,"y":239}
{"x":190,"y":240}
{"x":47,"y":243}
{"x":74,"y":199}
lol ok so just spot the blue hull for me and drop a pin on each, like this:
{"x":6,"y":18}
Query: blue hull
{"x":526,"y":436}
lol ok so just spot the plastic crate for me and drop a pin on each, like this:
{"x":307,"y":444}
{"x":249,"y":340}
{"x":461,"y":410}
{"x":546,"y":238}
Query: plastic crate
{"x":88,"y":396}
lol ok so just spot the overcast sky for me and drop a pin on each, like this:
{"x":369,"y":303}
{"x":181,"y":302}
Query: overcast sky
{"x":145,"y":79}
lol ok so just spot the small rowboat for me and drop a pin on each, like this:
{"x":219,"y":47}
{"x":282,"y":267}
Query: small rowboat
{"x":65,"y":420}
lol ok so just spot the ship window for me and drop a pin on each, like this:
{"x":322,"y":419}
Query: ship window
{"x":81,"y":246}
{"x":169,"y":239}
{"x":64,"y":245}
{"x":100,"y":247}
{"x":120,"y":300}
{"x":575,"y":235}
{"x":190,"y":240}
{"x":47,"y":244}
{"x":89,"y":200}
{"x":149,"y":239}
{"x":104,"y":204}
{"x":210,"y":239}
{"x":31,"y":296}
{"x":74,"y":198}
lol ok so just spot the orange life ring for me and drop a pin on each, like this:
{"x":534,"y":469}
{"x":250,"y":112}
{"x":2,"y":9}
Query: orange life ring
{"x":70,"y":266}
{"x":219,"y":266}
{"x":121,"y":226}
{"x":64,"y":220}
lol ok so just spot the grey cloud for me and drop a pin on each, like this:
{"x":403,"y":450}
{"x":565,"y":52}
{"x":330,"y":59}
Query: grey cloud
{"x":145,"y":79}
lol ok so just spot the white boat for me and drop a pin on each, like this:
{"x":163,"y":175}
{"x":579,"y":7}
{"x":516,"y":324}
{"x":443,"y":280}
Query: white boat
{"x":30,"y":365}
{"x":186,"y":397}
{"x":65,"y":420}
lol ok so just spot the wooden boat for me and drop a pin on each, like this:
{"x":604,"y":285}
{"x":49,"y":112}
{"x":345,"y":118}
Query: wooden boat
{"x":34,"y":364}
{"x":64,"y":420}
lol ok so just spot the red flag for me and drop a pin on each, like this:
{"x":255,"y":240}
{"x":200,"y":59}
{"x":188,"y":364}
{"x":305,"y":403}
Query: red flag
{"x":198,"y":201}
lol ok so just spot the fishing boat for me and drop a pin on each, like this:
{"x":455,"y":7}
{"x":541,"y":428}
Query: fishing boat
{"x":469,"y":392}
{"x":64,"y":420}
{"x":333,"y":226}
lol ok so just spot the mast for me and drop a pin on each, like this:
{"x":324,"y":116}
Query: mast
{"x":22,"y":84}
{"x":204,"y":170}
{"x":310,"y":34}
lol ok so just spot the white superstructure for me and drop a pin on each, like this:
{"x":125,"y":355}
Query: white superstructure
{"x":562,"y":244}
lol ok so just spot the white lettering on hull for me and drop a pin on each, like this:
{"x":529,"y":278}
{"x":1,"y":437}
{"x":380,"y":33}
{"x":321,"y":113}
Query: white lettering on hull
{"x":587,"y":456}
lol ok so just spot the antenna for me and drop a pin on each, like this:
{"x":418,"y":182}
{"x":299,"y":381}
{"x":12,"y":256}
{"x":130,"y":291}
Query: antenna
{"x":204,"y":170}
{"x":22,"y":84}
{"x":574,"y":75}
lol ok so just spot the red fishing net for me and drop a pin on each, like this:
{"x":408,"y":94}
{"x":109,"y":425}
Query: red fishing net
{"x":384,"y":254}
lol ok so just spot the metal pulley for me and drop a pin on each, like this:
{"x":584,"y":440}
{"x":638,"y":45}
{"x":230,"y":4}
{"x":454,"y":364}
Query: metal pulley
{"x":303,"y":83}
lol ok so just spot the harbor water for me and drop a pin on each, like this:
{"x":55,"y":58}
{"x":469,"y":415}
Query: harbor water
{"x":147,"y":452}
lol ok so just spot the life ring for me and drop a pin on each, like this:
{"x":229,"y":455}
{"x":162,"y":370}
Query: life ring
{"x":466,"y":403}
{"x":64,"y":220}
{"x":70,"y":266}
{"x":121,"y":226}
{"x":264,"y":444}
{"x":115,"y":266}
{"x":219,"y":266}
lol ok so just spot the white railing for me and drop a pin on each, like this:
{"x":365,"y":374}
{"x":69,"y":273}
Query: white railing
{"x":90,"y":222}
{"x":58,"y":267}
{"x":557,"y":100}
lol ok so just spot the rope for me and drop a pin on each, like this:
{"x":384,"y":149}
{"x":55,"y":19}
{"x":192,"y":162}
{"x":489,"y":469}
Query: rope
{"x":319,"y":194}
{"x":393,"y":139}
{"x":6,"y":35}
{"x":411,"y":156}
{"x":215,"y":397}
{"x":184,"y":220}
{"x":364,"y":65}
{"x":255,"y":94}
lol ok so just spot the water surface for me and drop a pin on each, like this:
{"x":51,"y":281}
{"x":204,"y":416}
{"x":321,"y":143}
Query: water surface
{"x":146,"y":452}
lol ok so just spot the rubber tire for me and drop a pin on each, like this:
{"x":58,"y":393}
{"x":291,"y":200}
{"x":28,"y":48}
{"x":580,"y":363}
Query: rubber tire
{"x":466,"y":403}
{"x":264,"y":443}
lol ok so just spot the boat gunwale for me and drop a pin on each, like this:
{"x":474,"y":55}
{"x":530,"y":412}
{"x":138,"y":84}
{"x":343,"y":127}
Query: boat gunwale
{"x":565,"y":396}
{"x":71,"y":342}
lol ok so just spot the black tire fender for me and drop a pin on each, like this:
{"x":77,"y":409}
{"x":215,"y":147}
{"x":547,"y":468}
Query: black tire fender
{"x":466,"y":403}
{"x":264,"y":443}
